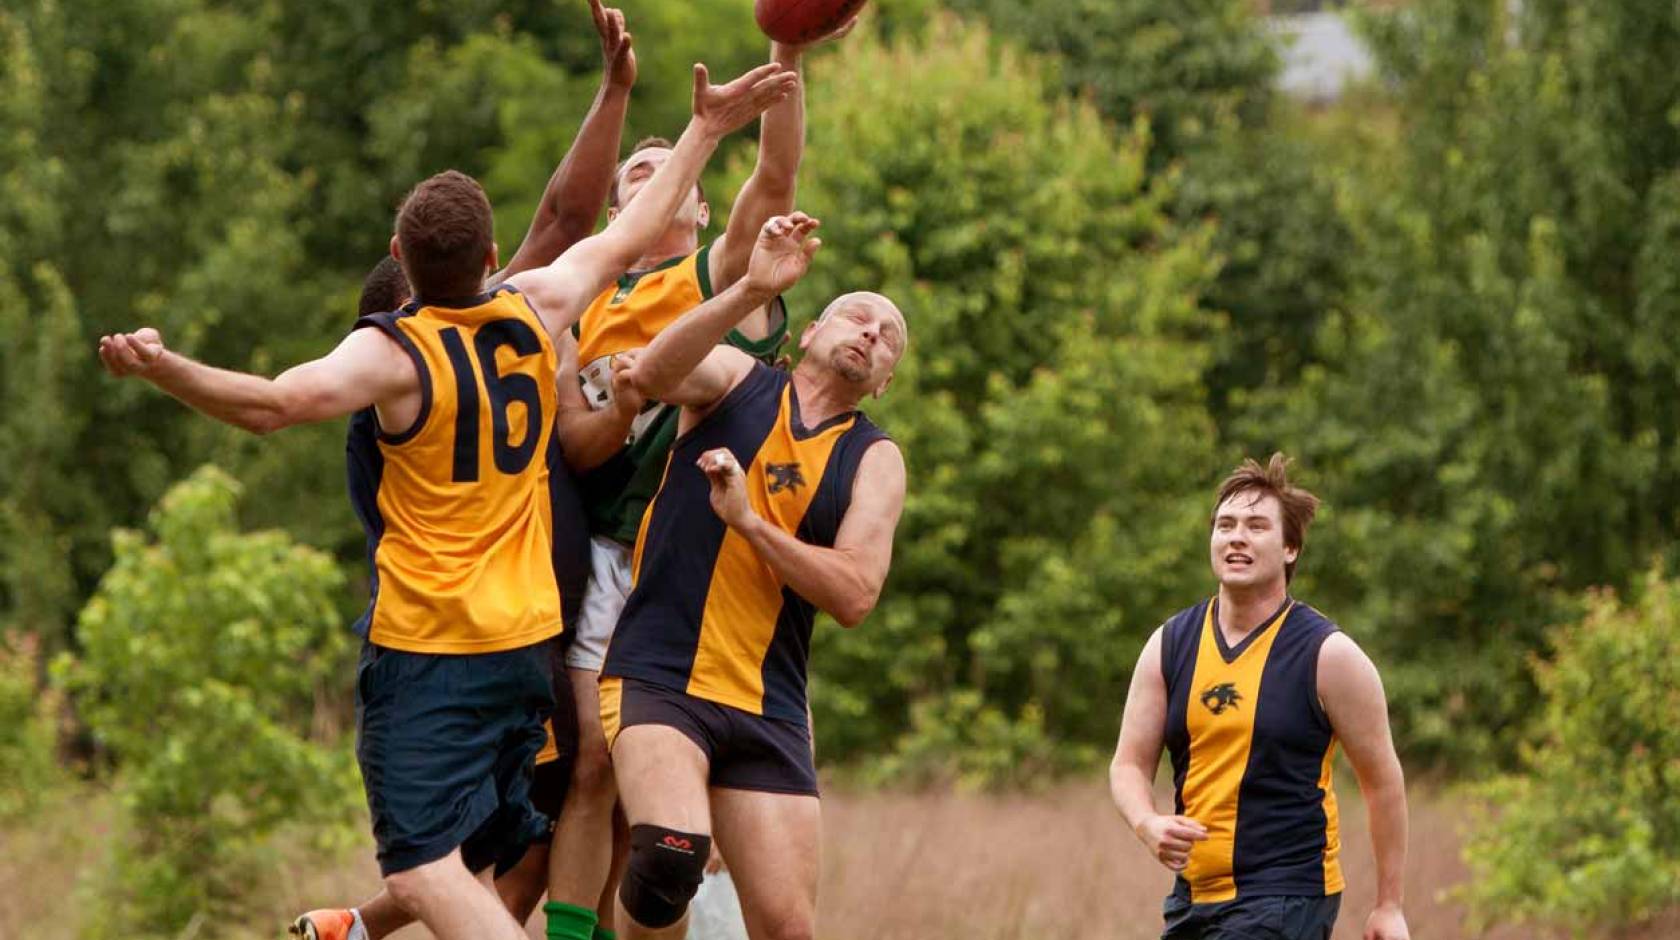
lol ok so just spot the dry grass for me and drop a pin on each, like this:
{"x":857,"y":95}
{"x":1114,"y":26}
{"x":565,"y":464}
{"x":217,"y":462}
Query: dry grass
{"x":896,"y":867}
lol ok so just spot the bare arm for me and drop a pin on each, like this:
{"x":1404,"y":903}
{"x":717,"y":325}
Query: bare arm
{"x":680,"y":365}
{"x":1352,"y":693}
{"x":578,"y":190}
{"x":1131,"y":775}
{"x":561,"y":291}
{"x":367,"y":368}
{"x":588,"y":436}
{"x":845,"y":581}
{"x":771,"y":189}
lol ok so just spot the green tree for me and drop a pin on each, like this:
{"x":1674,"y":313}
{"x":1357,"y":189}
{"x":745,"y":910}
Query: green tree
{"x":1587,"y":832}
{"x":1049,"y":405}
{"x":206,"y":659}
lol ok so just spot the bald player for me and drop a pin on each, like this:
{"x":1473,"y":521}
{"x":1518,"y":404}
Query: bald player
{"x":780,"y":499}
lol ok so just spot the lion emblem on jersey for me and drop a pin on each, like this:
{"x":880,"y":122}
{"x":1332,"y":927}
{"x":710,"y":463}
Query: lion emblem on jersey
{"x":784,"y":476}
{"x":1217,"y":698}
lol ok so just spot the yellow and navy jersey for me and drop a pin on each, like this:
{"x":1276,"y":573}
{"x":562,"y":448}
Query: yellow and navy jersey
{"x":458,"y":507}
{"x":625,"y":316}
{"x":1251,"y":752}
{"x":707,"y":616}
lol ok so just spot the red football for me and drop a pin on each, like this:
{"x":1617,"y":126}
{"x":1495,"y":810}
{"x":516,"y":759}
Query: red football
{"x":801,"y":21}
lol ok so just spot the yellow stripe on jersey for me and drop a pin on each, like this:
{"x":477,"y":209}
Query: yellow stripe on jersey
{"x":739,"y":620}
{"x":464,"y":561}
{"x":1332,"y":825}
{"x":612,"y":708}
{"x":1220,"y":738}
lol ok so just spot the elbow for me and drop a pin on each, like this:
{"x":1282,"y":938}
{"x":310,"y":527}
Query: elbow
{"x":855,"y":609}
{"x":263,"y":422}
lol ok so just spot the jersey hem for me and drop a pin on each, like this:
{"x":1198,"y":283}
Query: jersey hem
{"x":498,"y":645}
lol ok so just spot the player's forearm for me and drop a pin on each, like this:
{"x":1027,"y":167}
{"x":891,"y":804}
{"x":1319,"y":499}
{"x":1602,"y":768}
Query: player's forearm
{"x":648,"y":215}
{"x":1132,"y":790}
{"x":830,"y":579}
{"x":250,"y":402}
{"x":586,"y":175}
{"x":588,"y":437}
{"x":781,"y":141}
{"x":1385,"y":801}
{"x":680,"y":347}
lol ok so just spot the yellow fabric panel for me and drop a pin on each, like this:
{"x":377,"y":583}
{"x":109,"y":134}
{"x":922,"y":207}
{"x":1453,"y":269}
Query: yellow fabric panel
{"x":1219,"y":749}
{"x":612,"y":711}
{"x":1332,"y":825}
{"x":550,"y":749}
{"x":618,"y":320}
{"x":745,"y":597}
{"x":467,"y":567}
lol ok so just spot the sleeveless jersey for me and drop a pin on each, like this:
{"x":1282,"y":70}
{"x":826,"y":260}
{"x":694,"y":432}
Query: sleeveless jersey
{"x":706,"y":616}
{"x":1251,"y":752}
{"x":628,"y":316}
{"x":458,"y":507}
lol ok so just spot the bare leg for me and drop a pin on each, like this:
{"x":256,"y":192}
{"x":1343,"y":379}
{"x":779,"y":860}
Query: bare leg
{"x":662,"y":778}
{"x":522,"y":887}
{"x":773,"y":843}
{"x":581,"y":861}
{"x":452,"y":903}
{"x":620,"y":855}
{"x":383,"y":916}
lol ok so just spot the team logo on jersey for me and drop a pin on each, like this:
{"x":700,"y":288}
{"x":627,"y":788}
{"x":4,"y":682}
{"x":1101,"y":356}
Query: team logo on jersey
{"x":784,"y":476}
{"x":1217,"y":698}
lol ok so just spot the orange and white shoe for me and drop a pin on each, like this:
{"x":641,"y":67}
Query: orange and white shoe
{"x":328,"y":925}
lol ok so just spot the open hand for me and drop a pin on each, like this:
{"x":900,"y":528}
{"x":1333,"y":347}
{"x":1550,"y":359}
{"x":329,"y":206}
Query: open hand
{"x":782,"y":253}
{"x":617,"y":57}
{"x":729,"y":486}
{"x":134,"y":353}
{"x":721,"y":110}
{"x":1169,"y":838}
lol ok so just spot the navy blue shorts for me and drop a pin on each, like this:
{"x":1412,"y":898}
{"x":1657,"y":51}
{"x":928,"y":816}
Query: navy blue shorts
{"x":1279,"y":917}
{"x":446,"y":745}
{"x":744,"y":751}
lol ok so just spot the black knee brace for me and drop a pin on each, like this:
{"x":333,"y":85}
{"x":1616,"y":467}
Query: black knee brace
{"x":664,"y":872}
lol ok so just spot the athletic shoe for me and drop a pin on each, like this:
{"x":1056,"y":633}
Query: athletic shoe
{"x":323,"y":925}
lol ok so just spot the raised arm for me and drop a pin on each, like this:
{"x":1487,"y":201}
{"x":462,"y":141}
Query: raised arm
{"x":1131,"y":775}
{"x":366,"y":369}
{"x":561,"y":291}
{"x":771,"y":189}
{"x":683,"y":365}
{"x":1352,"y":693}
{"x":844,"y":581}
{"x":577,"y":191}
{"x":588,"y":436}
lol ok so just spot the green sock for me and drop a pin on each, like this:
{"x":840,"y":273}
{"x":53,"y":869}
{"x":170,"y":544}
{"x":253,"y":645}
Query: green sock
{"x":602,"y":933}
{"x":569,"y":922}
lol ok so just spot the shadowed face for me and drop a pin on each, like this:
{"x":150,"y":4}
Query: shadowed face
{"x":860,"y":337}
{"x":693,"y":212}
{"x":1247,"y":546}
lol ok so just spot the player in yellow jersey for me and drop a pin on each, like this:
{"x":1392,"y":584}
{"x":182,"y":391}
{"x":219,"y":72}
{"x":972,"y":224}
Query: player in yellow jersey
{"x":619,"y":444}
{"x":780,"y":499}
{"x":455,"y":677}
{"x":1250,"y":692}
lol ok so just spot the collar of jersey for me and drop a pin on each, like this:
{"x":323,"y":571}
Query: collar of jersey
{"x":458,"y":303}
{"x":1231,"y":653}
{"x":629,"y":278}
{"x":800,"y":432}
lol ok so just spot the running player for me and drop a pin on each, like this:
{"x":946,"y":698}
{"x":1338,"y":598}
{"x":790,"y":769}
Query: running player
{"x":620,"y":444}
{"x":1250,"y":692}
{"x":455,"y":678}
{"x":570,"y":205}
{"x":779,"y":499}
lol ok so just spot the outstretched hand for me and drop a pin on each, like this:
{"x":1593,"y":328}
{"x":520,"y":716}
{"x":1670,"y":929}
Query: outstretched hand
{"x":783,"y":253}
{"x":723,"y":109}
{"x":618,"y":58}
{"x":134,"y":353}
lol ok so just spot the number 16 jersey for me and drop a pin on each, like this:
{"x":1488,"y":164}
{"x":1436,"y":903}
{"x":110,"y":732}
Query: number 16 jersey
{"x":456,"y":506}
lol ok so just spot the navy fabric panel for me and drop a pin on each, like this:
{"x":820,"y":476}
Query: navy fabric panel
{"x":570,"y":535}
{"x":658,"y":633}
{"x":364,"y":466}
{"x":1280,"y":838}
{"x":788,"y":658}
{"x":387,"y":323}
{"x":1180,"y":645}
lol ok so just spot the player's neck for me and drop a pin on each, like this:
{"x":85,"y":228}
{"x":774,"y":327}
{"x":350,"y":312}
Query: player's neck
{"x":679,"y":241}
{"x":821,"y":395}
{"x":1242,"y":610}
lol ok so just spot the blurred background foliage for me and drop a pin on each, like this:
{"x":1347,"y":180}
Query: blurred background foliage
{"x":1128,"y":261}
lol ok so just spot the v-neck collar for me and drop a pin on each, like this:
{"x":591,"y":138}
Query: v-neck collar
{"x":1232,"y":653}
{"x":800,"y":432}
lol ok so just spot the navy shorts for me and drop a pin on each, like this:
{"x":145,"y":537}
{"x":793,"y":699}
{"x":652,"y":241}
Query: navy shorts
{"x":745,"y":751}
{"x":1278,"y":917}
{"x":446,"y":745}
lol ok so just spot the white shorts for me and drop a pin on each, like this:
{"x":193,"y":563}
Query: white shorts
{"x":603,"y":601}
